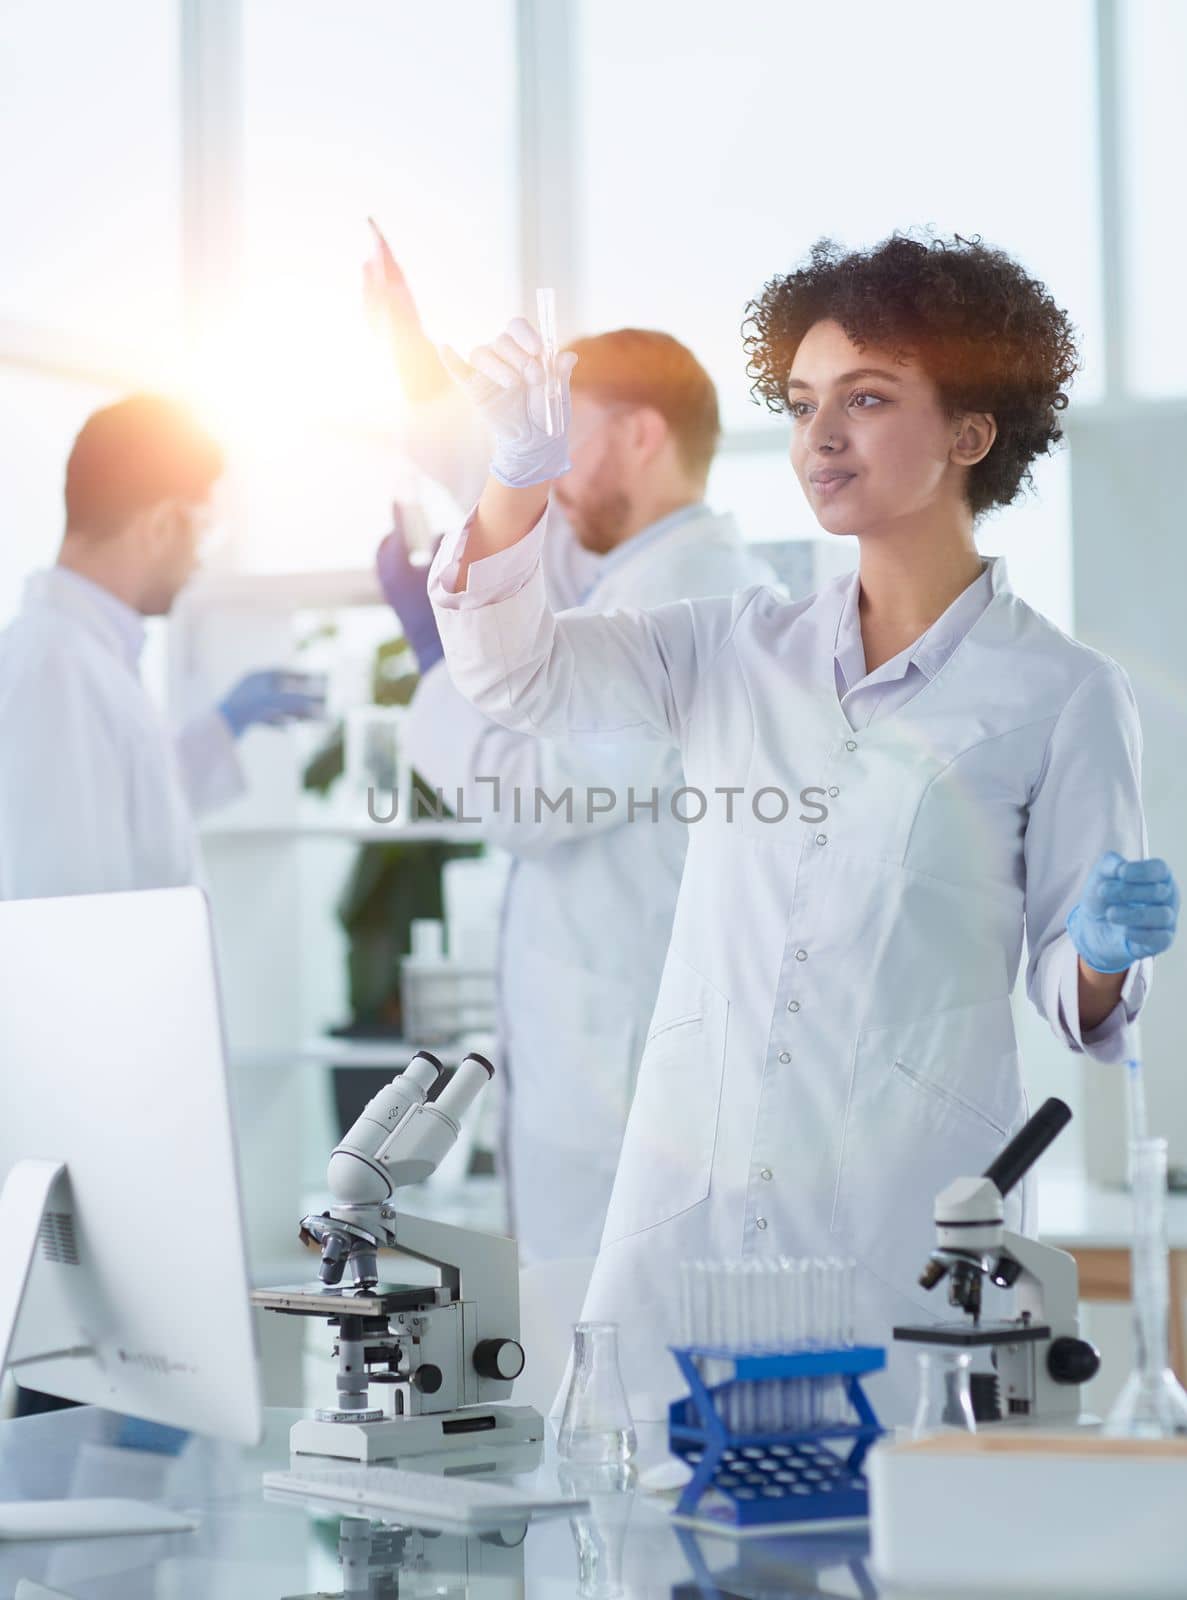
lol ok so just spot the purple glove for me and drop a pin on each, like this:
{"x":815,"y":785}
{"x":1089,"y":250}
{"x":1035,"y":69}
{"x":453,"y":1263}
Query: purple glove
{"x":406,"y":589}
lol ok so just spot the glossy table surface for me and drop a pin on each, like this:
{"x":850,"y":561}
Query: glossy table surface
{"x":251,"y":1547}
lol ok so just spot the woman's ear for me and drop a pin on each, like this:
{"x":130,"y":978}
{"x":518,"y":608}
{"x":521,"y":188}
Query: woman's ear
{"x":975,"y":433}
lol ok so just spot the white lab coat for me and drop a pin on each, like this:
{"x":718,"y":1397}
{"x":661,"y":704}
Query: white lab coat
{"x":95,"y":794}
{"x":589,"y":905}
{"x":832,"y":1041}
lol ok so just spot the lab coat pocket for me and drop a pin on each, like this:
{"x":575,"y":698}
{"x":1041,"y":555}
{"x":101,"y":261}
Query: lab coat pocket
{"x":667,"y":1152}
{"x":929,"y":1101}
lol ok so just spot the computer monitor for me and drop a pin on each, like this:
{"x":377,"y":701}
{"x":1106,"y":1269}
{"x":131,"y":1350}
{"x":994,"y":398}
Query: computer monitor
{"x":123,"y":1265}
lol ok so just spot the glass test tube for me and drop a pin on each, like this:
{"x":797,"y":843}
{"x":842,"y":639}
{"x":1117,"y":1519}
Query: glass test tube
{"x":782,"y":1305}
{"x":689,"y":1302}
{"x":554,"y":420}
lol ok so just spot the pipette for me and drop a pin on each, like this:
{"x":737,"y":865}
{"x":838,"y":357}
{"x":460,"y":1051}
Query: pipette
{"x":1136,"y":1085}
{"x":546,"y":317}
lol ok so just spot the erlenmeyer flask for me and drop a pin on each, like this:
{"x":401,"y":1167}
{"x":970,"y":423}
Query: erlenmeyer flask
{"x":1152,"y":1404}
{"x":599,"y":1529}
{"x":945,"y":1393}
{"x":596,"y":1425}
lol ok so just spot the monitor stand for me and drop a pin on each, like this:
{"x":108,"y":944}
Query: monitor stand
{"x":24,"y":1201}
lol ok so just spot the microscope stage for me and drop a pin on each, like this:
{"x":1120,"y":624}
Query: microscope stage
{"x":318,"y":1300}
{"x":966,"y":1336}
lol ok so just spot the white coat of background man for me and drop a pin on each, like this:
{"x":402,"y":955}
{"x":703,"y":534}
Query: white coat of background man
{"x":592,"y":893}
{"x":95,"y":793}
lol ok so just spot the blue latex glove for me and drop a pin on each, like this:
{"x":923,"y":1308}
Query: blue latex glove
{"x":504,"y":382}
{"x":1128,"y":909}
{"x":273,"y":696}
{"x":406,"y":589}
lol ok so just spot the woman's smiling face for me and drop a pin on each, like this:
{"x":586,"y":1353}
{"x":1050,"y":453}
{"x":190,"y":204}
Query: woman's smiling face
{"x":871,"y":441}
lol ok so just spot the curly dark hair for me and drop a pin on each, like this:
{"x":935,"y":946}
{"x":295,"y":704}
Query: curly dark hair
{"x":990,"y":337}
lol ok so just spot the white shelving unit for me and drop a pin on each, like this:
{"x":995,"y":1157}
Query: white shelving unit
{"x":343,"y":829}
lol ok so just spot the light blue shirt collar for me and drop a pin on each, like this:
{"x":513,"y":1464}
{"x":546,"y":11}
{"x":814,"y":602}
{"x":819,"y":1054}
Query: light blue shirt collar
{"x":631,"y":547}
{"x":933,"y":647}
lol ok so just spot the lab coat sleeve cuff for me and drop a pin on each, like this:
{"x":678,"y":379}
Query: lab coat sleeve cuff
{"x":488,"y":648}
{"x":490,"y":580}
{"x":209,"y":759}
{"x":1112,"y":1040}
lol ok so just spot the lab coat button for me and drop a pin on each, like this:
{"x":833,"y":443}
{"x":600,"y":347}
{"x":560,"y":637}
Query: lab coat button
{"x":760,"y":1222}
{"x":822,"y":838}
{"x":785,"y":1056}
{"x":833,"y":792}
{"x":801,"y":955}
{"x":793,"y":1005}
{"x":851,"y":744}
{"x":767,"y":1174}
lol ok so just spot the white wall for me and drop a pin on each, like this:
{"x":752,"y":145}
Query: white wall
{"x":1130,"y":589}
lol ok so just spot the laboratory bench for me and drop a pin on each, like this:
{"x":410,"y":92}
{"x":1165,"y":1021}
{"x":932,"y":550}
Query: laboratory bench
{"x":625,"y":1544}
{"x":248,"y":1546}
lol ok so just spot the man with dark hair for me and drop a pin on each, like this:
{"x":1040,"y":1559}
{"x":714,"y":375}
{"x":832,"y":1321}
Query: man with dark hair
{"x":95,"y":794}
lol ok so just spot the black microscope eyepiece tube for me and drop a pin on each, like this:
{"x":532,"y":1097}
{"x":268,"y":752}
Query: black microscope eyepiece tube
{"x":1028,"y":1144}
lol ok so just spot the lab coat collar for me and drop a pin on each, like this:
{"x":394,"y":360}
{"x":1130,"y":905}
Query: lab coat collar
{"x":844,"y":651}
{"x":116,"y":624}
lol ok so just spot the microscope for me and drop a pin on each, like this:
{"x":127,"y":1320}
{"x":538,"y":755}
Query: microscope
{"x":1039,"y":1358}
{"x":449,"y":1351}
{"x":386,"y":1562}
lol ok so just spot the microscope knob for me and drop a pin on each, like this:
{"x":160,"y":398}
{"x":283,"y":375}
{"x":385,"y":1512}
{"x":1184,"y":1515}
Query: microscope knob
{"x":498,"y":1358}
{"x":428,"y":1379}
{"x":1072,"y":1360}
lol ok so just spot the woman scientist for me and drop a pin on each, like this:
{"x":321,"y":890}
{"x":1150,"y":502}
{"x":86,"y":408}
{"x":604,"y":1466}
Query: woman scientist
{"x":832,"y":1042}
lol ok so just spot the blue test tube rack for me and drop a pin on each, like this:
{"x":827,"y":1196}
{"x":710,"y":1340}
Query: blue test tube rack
{"x":793,"y":1475}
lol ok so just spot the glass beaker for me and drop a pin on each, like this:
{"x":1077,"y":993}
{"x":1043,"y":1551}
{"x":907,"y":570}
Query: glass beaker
{"x":945,"y":1401}
{"x":596,"y":1426}
{"x":1152,"y":1405}
{"x":374,"y":760}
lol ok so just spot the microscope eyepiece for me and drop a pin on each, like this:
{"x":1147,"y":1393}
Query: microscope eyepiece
{"x":1028,"y":1144}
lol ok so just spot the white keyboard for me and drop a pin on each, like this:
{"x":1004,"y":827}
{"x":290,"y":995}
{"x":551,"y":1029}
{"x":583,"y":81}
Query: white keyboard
{"x":417,"y":1497}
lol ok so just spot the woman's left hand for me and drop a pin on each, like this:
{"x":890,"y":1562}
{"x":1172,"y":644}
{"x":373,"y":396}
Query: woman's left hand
{"x":1127,"y":910}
